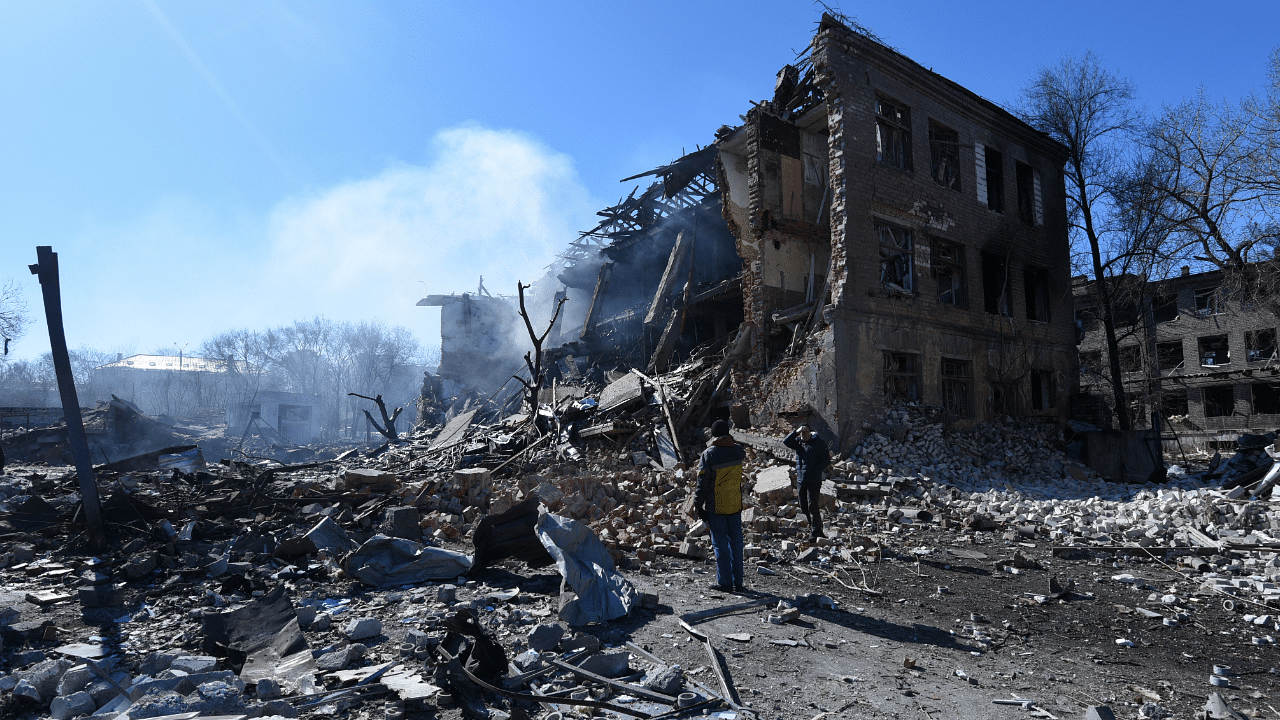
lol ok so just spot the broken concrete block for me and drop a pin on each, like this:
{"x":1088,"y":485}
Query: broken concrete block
{"x":64,"y":707}
{"x":323,"y":622}
{"x":140,"y":565}
{"x":773,"y":485}
{"x":306,"y":616}
{"x":667,"y":680}
{"x":268,"y":688}
{"x":192,"y":664}
{"x":101,"y":691}
{"x":608,"y":664}
{"x":102,"y":595}
{"x":402,"y":522}
{"x":44,"y":676}
{"x":447,"y":593}
{"x":156,"y":663}
{"x":75,"y":680}
{"x":361,"y":628}
{"x":1099,"y":712}
{"x":417,"y":638}
{"x":339,"y":659}
{"x":23,"y":552}
{"x":26,"y":690}
{"x":546,"y":636}
{"x":809,"y":555}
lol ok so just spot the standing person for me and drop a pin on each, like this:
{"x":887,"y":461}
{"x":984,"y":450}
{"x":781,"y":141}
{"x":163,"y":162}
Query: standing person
{"x":719,"y":503}
{"x":812,"y":459}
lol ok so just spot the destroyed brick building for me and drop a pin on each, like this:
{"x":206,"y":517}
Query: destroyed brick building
{"x":882,"y":233}
{"x":1204,"y":361}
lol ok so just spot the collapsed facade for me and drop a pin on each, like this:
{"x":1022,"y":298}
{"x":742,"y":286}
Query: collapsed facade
{"x":883,"y":234}
{"x":1206,"y":364}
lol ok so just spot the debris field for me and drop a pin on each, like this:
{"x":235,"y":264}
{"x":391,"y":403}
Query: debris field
{"x":484,"y":569}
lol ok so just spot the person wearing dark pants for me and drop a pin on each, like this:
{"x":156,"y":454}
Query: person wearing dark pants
{"x":812,"y":459}
{"x":718,"y":500}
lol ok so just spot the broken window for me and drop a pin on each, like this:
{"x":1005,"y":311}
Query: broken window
{"x":1026,"y":193}
{"x":1036,"y":286}
{"x":1137,"y":410}
{"x":1088,"y":318}
{"x":995,"y":284}
{"x":814,"y":148}
{"x":1126,"y":313}
{"x":893,"y":134}
{"x":896,"y":258}
{"x":1173,"y":403}
{"x":1164,"y":308}
{"x":995,"y":179}
{"x":1266,"y":398}
{"x":1219,"y":401}
{"x":944,"y":156}
{"x":1169,"y":355}
{"x":955,"y":386}
{"x":1044,"y":390}
{"x":901,"y":378}
{"x":1091,"y":361}
{"x":1214,"y":350}
{"x":1260,"y":344}
{"x":1130,"y":358}
{"x":1207,"y":301}
{"x":948,"y":267}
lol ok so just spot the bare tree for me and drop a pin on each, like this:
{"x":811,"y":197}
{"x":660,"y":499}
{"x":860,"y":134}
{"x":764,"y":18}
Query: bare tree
{"x":1090,"y":110}
{"x":13,"y":315}
{"x":537,"y":375}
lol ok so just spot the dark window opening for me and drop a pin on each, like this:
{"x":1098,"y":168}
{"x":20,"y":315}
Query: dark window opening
{"x":1126,"y":313}
{"x":1002,"y":401}
{"x":948,"y":269}
{"x":1207,"y":301}
{"x":1088,"y":318}
{"x":956,"y":386}
{"x":1266,"y":398}
{"x":1173,"y":403}
{"x":1135,"y":408}
{"x":1091,"y":361}
{"x":1169,"y":355}
{"x":896,"y":258}
{"x":1214,"y":350}
{"x":995,"y":179}
{"x":1219,"y":401}
{"x":1130,"y":358}
{"x":1261,"y":344}
{"x":901,"y":378}
{"x":944,"y":156}
{"x":1035,"y":283}
{"x":1026,"y":193}
{"x":995,"y":284}
{"x":1044,"y":390}
{"x":893,"y":134}
{"x":1164,"y":308}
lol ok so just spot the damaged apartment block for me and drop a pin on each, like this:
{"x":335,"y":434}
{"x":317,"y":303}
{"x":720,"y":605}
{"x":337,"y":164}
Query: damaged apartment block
{"x":873,"y":208}
{"x":874,"y":233}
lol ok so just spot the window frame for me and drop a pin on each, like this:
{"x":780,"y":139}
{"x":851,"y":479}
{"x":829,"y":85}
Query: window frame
{"x":891,"y":373}
{"x":944,"y":145}
{"x":1205,"y":343}
{"x":1024,"y":179}
{"x":893,"y":250}
{"x":954,"y":267}
{"x":1163,"y":358}
{"x":1254,"y":349}
{"x":956,"y":387}
{"x":1044,"y":389}
{"x":1216,"y":389}
{"x":995,"y":178}
{"x":891,"y":125}
{"x":1040,"y":311}
{"x":1005,"y":296}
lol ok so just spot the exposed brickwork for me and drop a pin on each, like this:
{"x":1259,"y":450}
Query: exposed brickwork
{"x":869,"y":320}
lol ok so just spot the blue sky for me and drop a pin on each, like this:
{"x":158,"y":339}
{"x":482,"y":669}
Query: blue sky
{"x":202,"y":166}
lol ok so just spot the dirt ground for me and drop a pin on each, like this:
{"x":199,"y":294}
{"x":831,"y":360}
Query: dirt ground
{"x":944,"y":630}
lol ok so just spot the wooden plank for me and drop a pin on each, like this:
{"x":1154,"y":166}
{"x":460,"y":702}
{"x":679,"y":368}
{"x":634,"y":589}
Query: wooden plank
{"x":697,"y":617}
{"x":674,"y":262}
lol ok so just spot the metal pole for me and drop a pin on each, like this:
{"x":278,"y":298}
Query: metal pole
{"x":47,"y":270}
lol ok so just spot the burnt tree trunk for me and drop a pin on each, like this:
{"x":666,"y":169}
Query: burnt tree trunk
{"x":537,"y":375}
{"x":388,"y":427}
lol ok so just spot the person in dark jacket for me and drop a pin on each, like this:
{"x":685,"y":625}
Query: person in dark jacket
{"x":718,"y":501}
{"x":812,"y":459}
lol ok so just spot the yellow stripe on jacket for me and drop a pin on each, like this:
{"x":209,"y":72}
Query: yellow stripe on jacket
{"x":728,"y":490}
